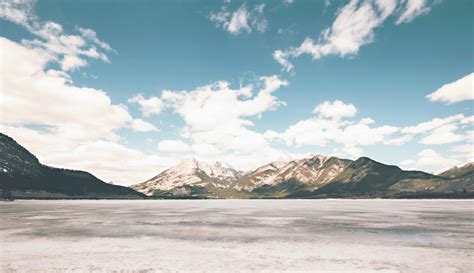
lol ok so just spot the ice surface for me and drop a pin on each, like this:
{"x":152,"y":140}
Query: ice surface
{"x":237,"y":236}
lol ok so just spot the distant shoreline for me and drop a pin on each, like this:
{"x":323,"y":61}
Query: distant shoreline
{"x":468,"y":197}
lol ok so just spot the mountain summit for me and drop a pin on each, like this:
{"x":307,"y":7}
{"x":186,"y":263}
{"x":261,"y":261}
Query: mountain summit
{"x":190,"y":172}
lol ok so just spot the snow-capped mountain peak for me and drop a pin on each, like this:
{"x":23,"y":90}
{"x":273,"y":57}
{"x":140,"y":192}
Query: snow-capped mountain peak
{"x":190,"y":172}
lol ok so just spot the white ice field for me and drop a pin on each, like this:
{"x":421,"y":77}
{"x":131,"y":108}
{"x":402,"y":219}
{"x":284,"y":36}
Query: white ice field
{"x":237,"y":236}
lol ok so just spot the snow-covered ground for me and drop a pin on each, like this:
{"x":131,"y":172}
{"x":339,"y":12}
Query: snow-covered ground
{"x":237,"y":236}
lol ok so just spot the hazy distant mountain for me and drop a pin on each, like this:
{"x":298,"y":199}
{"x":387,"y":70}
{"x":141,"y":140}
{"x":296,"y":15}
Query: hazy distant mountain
{"x":189,"y":173}
{"x":312,"y":177}
{"x":24,"y":176}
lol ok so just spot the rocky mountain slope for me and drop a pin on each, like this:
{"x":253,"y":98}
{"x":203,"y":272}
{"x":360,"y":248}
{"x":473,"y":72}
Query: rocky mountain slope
{"x":456,"y":179}
{"x":465,"y":170}
{"x":23,"y":175}
{"x":313,"y":177}
{"x":314,"y":171}
{"x":189,"y":173}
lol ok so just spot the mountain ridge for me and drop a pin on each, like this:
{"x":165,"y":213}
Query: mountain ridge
{"x":321,"y":176}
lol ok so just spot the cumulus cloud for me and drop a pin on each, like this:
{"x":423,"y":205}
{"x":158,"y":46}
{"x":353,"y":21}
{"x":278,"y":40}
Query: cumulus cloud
{"x":217,"y":105}
{"x":67,"y":117}
{"x":149,"y":106}
{"x":460,"y":90}
{"x":329,"y":126}
{"x":432,"y":159}
{"x":218,"y":121}
{"x":436,"y":131}
{"x":352,"y":28}
{"x":139,"y":125}
{"x":336,"y":109}
{"x":443,"y":135}
{"x":27,"y":88}
{"x":241,"y":20}
{"x":70,"y":51}
{"x":173,"y":146}
{"x":333,"y":126}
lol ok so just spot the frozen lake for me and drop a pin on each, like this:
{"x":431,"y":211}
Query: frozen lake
{"x":237,"y":236}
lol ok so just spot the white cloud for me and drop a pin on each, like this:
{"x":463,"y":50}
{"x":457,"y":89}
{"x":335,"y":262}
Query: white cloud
{"x":149,"y":106}
{"x":465,"y":152}
{"x":367,"y":121}
{"x":437,"y":130}
{"x":430,"y":158}
{"x":460,"y":90}
{"x":330,"y":128}
{"x":216,"y":105}
{"x":399,"y":140}
{"x":27,"y":88}
{"x":173,"y":146}
{"x":218,"y":119}
{"x":432,"y":124}
{"x":19,"y":11}
{"x":71,"y":121}
{"x":282,"y":58}
{"x":352,"y":28}
{"x":92,"y":36}
{"x":443,"y":135}
{"x":69,"y":51}
{"x":363,"y":135}
{"x":350,"y":152}
{"x":241,"y":20}
{"x":336,"y":109}
{"x":468,"y":120}
{"x":413,"y":9}
{"x":71,"y":62}
{"x":139,"y":125}
{"x":288,"y":2}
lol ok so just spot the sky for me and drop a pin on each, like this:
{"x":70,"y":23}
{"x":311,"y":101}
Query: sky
{"x":126,"y":89}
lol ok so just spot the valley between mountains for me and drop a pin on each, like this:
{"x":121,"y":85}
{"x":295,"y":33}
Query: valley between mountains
{"x":23,"y":176}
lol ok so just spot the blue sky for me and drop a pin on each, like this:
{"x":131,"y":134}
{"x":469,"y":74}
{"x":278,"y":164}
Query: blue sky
{"x":368,"y":65}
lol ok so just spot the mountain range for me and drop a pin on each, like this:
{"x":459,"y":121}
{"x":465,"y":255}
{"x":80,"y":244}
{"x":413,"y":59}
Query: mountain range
{"x":312,"y":177}
{"x":316,"y":176}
